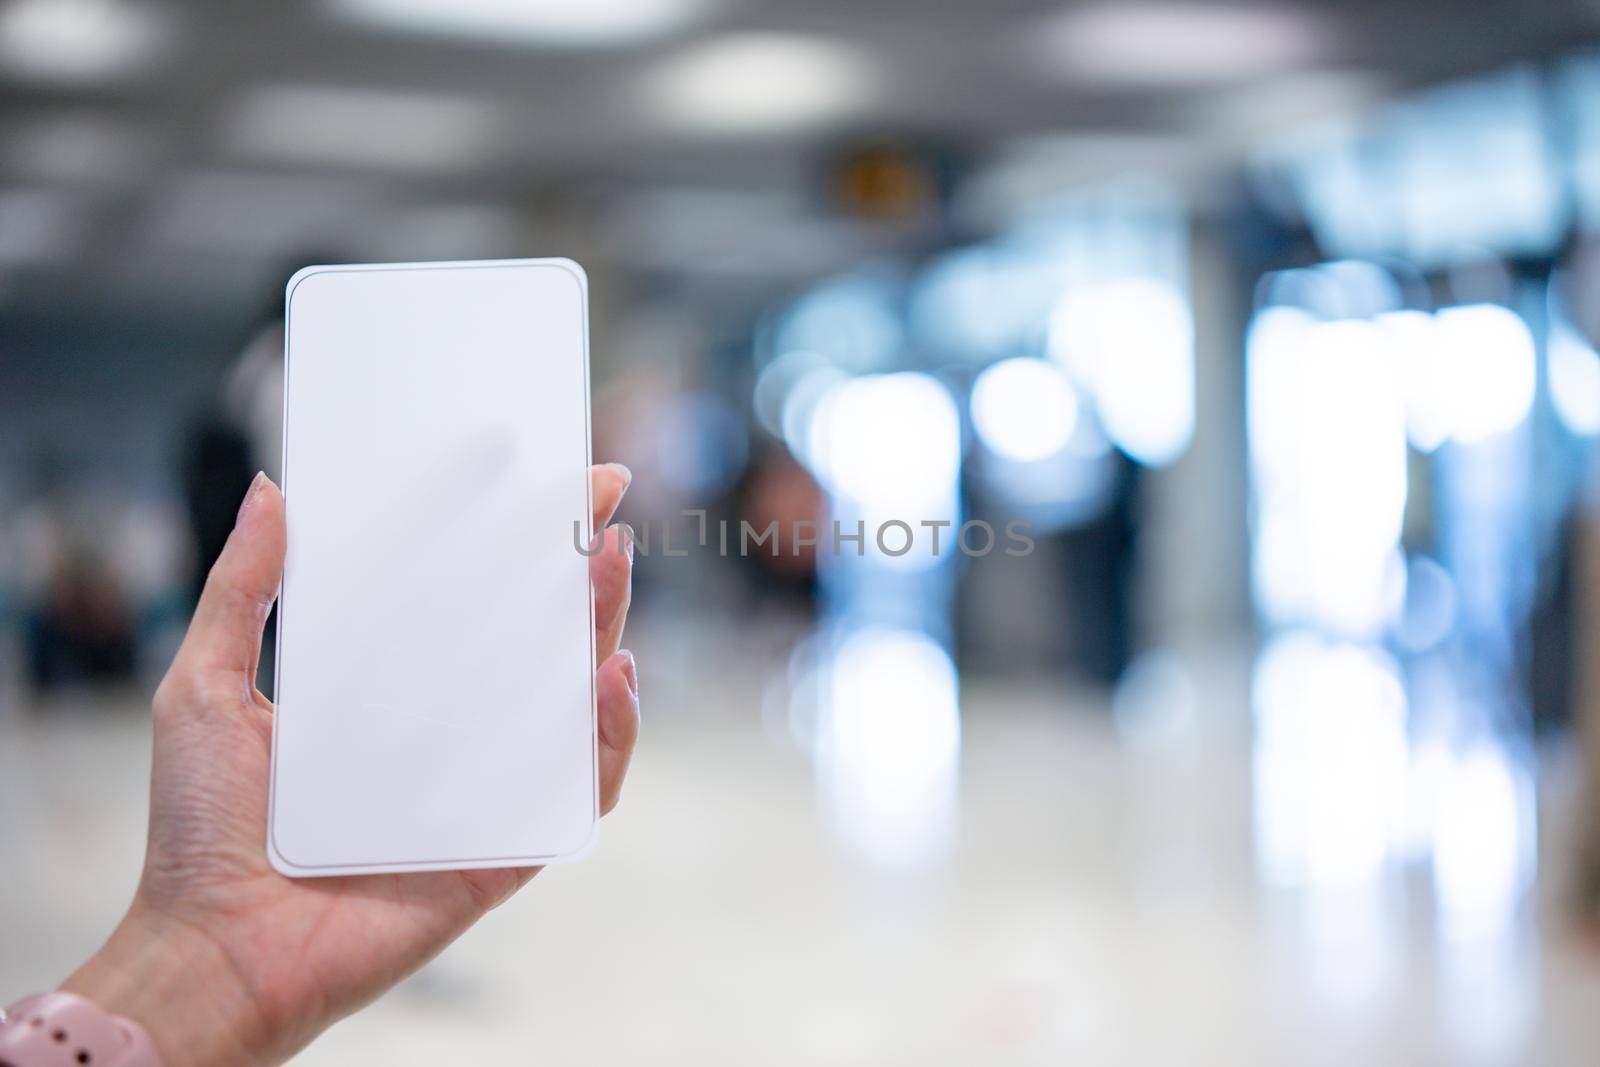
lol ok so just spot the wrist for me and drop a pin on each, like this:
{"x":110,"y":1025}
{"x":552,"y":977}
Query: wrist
{"x":179,"y":986}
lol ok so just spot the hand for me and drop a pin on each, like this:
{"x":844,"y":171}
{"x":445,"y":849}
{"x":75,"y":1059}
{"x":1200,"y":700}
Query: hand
{"x":223,"y":960}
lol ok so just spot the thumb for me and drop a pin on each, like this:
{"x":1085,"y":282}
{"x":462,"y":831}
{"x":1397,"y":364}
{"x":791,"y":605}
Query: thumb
{"x":226,"y":631}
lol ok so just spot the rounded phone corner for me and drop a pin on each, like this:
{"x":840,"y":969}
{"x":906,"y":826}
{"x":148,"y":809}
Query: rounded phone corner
{"x":572,"y":267}
{"x":282,"y":864}
{"x":299,"y":276}
{"x":583,"y":849}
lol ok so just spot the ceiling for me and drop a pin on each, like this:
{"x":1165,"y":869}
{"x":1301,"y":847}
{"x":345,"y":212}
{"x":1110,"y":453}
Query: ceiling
{"x":178,"y":153}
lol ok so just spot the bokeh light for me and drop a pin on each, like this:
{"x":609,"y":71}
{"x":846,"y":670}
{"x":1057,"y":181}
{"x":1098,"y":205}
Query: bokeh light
{"x":1024,"y":409}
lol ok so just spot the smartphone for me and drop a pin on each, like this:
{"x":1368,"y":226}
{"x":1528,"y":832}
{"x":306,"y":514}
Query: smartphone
{"x":434,"y":685}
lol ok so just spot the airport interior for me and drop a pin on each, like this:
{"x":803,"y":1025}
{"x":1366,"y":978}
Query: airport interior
{"x":1245,"y":355}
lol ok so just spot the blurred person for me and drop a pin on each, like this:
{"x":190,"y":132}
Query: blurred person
{"x":1101,"y":563}
{"x":1586,"y":887}
{"x":80,"y":622}
{"x":220,"y":960}
{"x":777,"y":489}
{"x":241,"y":433}
{"x":252,"y":396}
{"x":1580,"y":574}
{"x":217,"y":467}
{"x":99,"y":581}
{"x":83,"y":631}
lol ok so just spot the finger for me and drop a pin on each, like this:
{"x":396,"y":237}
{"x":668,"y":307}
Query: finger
{"x":225,"y":633}
{"x":611,"y":572}
{"x":607,"y":483}
{"x":618,"y":684}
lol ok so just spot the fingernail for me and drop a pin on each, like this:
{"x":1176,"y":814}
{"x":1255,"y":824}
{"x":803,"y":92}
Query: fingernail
{"x":627,"y":475}
{"x":630,"y":672}
{"x":627,"y":540}
{"x":250,"y":495}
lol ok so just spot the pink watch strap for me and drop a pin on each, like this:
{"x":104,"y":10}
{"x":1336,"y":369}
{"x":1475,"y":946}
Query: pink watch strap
{"x":65,"y":1030}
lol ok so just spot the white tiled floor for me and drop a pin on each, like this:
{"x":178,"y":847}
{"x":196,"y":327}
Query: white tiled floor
{"x":1100,"y":907}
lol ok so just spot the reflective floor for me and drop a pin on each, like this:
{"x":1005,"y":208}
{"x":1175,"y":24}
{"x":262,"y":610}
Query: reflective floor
{"x":1101,"y":901}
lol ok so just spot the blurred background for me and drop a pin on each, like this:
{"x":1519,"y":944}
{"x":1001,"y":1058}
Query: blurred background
{"x":1276,"y":322}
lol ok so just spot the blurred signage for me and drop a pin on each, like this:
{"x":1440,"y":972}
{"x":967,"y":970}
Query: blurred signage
{"x":890,"y":182}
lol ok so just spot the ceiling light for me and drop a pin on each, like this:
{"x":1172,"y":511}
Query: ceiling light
{"x":758,"y":82}
{"x":571,"y":23}
{"x":259,"y":214}
{"x":755,"y":233}
{"x":80,"y":40}
{"x":363,"y":128}
{"x":76,"y":148}
{"x":1025,"y":175}
{"x":449,"y":231}
{"x":1305,"y":102}
{"x":39,"y":226}
{"x":1168,"y":43}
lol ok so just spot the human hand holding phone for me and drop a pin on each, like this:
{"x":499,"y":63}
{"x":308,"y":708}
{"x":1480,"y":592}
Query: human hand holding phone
{"x":222,"y":959}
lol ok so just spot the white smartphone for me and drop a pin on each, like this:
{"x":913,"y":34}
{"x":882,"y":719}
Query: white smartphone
{"x":435,"y":657}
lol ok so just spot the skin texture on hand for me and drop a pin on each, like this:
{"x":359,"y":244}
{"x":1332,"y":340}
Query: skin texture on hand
{"x":223,"y":960}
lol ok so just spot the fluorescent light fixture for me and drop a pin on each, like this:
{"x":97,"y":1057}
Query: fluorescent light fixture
{"x":1168,"y":43}
{"x":75,"y":41}
{"x":561,"y":23}
{"x":1288,"y":104}
{"x":760,"y":82}
{"x":75,"y":148}
{"x":449,"y":231}
{"x":750,"y":234}
{"x":39,"y":226}
{"x":258,"y":214}
{"x":1025,"y":175}
{"x":356,"y":127}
